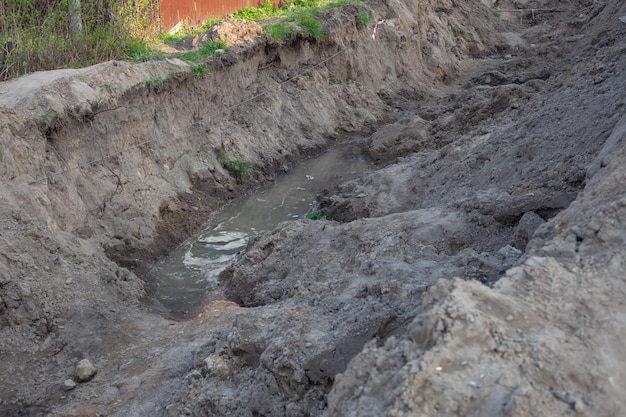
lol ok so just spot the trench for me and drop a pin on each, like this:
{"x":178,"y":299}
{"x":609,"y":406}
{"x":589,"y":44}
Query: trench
{"x":188,"y":276}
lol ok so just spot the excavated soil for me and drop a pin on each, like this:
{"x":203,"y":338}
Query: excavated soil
{"x":478,"y":269}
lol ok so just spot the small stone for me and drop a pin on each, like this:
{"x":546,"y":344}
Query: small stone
{"x":194,"y":375}
{"x":69,"y":384}
{"x":509,"y":317}
{"x":579,"y":406}
{"x":85,"y":370}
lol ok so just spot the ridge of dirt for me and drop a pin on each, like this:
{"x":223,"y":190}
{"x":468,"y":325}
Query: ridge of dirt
{"x":501,"y":163}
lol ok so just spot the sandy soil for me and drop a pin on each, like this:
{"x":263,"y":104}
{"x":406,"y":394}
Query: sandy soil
{"x":477,"y":271}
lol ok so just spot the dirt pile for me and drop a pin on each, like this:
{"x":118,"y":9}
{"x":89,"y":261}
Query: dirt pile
{"x":502,"y":146}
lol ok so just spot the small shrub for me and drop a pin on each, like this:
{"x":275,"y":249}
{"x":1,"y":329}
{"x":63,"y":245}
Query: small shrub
{"x":239,"y":165}
{"x":495,"y":13}
{"x":316,"y":215}
{"x":362,"y":19}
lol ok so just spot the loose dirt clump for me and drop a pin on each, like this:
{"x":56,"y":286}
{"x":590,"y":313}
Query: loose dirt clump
{"x":478,"y":269}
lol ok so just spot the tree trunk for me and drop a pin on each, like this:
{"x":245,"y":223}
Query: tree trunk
{"x":76,"y":21}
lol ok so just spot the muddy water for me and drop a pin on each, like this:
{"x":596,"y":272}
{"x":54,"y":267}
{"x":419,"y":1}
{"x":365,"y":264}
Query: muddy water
{"x":188,"y":276}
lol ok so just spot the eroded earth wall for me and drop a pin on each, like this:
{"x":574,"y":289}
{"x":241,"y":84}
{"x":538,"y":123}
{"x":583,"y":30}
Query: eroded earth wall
{"x":476,"y":272}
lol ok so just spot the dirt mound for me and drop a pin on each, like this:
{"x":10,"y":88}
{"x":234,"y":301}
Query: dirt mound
{"x":499,"y":141}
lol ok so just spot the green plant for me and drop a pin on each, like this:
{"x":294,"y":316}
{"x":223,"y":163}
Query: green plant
{"x":153,"y":82}
{"x":207,"y":50}
{"x":362,"y":19}
{"x":279,"y":31}
{"x":139,"y":50}
{"x":49,"y":115}
{"x":198,"y":70}
{"x":239,"y":166}
{"x":495,"y":13}
{"x":316,"y":215}
{"x":259,"y":13}
{"x":39,"y":35}
{"x":310,"y":26}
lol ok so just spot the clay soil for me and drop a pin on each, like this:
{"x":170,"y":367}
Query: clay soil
{"x":477,"y":270}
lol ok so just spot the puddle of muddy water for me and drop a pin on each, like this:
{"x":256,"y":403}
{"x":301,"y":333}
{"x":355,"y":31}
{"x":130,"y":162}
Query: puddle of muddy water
{"x":188,"y":276}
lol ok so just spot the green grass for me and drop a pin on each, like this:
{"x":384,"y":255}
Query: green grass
{"x":280,"y":31}
{"x":186,"y":31}
{"x":35,"y":34}
{"x":49,"y":115}
{"x":362,"y":19}
{"x":255,"y":14}
{"x":142,"y":51}
{"x":296,"y":14}
{"x":495,"y":13}
{"x":311,"y":27}
{"x":199,"y":70}
{"x":205,"y":51}
{"x":239,"y":166}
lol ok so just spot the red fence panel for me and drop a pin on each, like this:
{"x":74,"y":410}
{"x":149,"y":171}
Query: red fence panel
{"x":195,"y":12}
{"x":174,"y":11}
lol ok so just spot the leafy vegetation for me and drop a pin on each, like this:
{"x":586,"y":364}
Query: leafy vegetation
{"x":362,"y":19}
{"x":495,"y":13}
{"x":43,"y":35}
{"x":296,"y":14}
{"x":316,"y":215}
{"x":198,"y":70}
{"x":239,"y":166}
{"x":40,"y":35}
{"x":255,"y":14}
{"x":185,"y":32}
{"x":208,"y":49}
{"x":280,"y":31}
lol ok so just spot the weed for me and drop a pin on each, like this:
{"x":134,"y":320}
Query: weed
{"x":198,"y":70}
{"x":49,"y":115}
{"x":239,"y":166}
{"x":362,"y":19}
{"x":153,"y":82}
{"x":207,"y":50}
{"x":139,"y":50}
{"x":311,"y":27}
{"x":316,"y":215}
{"x":280,"y":31}
{"x":495,"y":13}
{"x":255,"y":14}
{"x":37,"y":35}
